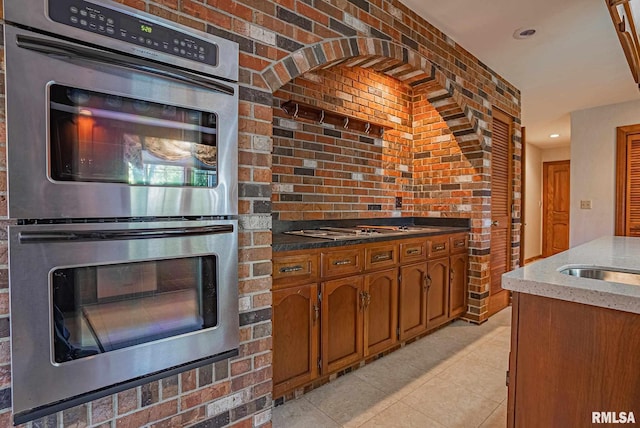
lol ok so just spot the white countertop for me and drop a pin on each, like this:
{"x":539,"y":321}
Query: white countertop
{"x":543,"y":278}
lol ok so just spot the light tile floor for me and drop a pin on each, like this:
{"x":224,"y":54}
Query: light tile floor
{"x":452,"y":378}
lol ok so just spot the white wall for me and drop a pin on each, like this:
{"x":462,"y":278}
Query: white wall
{"x":533,"y":199}
{"x":556,"y":154}
{"x":532,"y":202}
{"x":593,"y":149}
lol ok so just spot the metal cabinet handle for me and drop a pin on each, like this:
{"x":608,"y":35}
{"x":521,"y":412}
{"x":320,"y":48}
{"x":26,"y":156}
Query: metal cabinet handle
{"x":316,"y":310}
{"x":289,"y":269}
{"x":495,"y":223}
{"x":428,"y":282}
{"x":380,"y":257}
{"x":459,"y":243}
{"x":342,"y":262}
{"x":363,"y":299}
{"x":439,"y":247}
{"x":368,"y":299}
{"x":413,"y":251}
{"x":425,"y":282}
{"x":451,"y":274}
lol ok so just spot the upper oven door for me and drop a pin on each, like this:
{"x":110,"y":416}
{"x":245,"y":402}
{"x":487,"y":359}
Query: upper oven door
{"x":95,"y":134}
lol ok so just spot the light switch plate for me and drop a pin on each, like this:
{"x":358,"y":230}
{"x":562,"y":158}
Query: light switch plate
{"x":585,"y":205}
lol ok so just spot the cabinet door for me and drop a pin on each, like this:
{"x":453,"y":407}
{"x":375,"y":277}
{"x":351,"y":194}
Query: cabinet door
{"x":342,"y":319}
{"x":381,"y":311}
{"x":458,"y":285}
{"x":413,"y":300}
{"x":438,"y":292}
{"x":295,"y":337}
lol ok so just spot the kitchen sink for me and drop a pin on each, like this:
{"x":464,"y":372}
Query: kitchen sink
{"x":604,"y":274}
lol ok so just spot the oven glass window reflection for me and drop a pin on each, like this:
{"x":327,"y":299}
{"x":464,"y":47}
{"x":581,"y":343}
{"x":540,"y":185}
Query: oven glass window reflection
{"x":99,"y":137}
{"x":99,"y":309}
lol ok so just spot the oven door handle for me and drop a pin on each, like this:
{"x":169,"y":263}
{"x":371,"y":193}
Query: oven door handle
{"x":73,"y":51}
{"x":26,"y":237}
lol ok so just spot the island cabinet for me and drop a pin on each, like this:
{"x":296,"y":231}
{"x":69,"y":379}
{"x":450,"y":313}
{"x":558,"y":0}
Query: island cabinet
{"x":334,"y":307}
{"x":572,"y":362}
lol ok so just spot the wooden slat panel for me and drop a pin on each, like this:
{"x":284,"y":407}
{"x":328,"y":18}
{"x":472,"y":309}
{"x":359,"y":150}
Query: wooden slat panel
{"x":633,"y":187}
{"x":500,"y":168}
{"x":501,"y":187}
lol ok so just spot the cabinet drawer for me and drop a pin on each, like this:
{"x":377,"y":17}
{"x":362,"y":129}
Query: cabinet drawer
{"x":380,"y":256}
{"x":341,"y":262}
{"x":459,"y":243}
{"x":288,"y":270}
{"x":438,"y":246}
{"x":413,"y":251}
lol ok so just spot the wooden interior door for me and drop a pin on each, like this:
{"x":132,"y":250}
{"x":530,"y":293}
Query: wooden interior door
{"x":628,"y":181}
{"x":501,"y":191}
{"x":555,"y":207}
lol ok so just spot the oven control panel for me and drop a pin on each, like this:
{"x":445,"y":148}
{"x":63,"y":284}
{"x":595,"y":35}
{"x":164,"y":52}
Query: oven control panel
{"x":144,"y":33}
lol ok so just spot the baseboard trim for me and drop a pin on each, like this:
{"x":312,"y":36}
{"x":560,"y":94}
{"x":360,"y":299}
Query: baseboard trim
{"x":533,"y":259}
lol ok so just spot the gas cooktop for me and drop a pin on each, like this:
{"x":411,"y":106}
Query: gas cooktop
{"x":360,"y":232}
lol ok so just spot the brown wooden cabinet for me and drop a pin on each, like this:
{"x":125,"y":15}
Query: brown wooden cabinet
{"x":295,"y":336}
{"x":342,"y":322}
{"x":568,"y":360}
{"x":381,"y":311}
{"x":437,"y":292}
{"x":458,"y":284}
{"x":413,"y":300}
{"x":332,"y":307}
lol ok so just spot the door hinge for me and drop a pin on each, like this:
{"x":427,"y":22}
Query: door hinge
{"x":319,"y":364}
{"x":507,"y":380}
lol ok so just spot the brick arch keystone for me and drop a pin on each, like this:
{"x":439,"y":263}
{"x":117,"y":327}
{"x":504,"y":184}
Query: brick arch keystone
{"x":394,"y":60}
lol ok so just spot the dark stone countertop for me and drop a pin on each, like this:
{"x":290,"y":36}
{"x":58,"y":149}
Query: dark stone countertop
{"x":286,"y":242}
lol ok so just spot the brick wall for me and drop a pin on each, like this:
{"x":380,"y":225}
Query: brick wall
{"x":280,"y":41}
{"x":324,"y":171}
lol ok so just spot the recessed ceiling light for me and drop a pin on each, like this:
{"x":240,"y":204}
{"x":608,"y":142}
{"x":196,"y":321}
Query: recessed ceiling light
{"x":524,"y":33}
{"x":554,"y":135}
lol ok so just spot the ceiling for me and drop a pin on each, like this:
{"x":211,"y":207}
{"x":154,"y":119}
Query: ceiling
{"x":573,"y":62}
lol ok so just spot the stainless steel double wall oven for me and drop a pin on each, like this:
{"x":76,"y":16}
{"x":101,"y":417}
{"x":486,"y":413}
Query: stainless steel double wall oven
{"x":122,"y":179}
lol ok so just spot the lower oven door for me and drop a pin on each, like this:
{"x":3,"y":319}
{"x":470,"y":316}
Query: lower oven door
{"x":98,"y":305}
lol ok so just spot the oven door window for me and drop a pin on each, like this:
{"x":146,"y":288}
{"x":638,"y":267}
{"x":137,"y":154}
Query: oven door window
{"x":97,"y":137}
{"x":98,"y":309}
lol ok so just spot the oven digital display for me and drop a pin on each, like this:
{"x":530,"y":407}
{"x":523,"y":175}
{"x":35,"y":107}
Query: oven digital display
{"x":121,"y":26}
{"x":97,"y":137}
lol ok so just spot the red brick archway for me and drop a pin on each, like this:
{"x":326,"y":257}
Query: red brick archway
{"x":417,"y":71}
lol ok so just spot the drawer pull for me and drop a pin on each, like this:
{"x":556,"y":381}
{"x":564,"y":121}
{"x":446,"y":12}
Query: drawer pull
{"x":439,"y":247}
{"x":289,"y":269}
{"x":380,"y":257}
{"x":413,"y":251}
{"x":459,"y":244}
{"x":342,"y":262}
